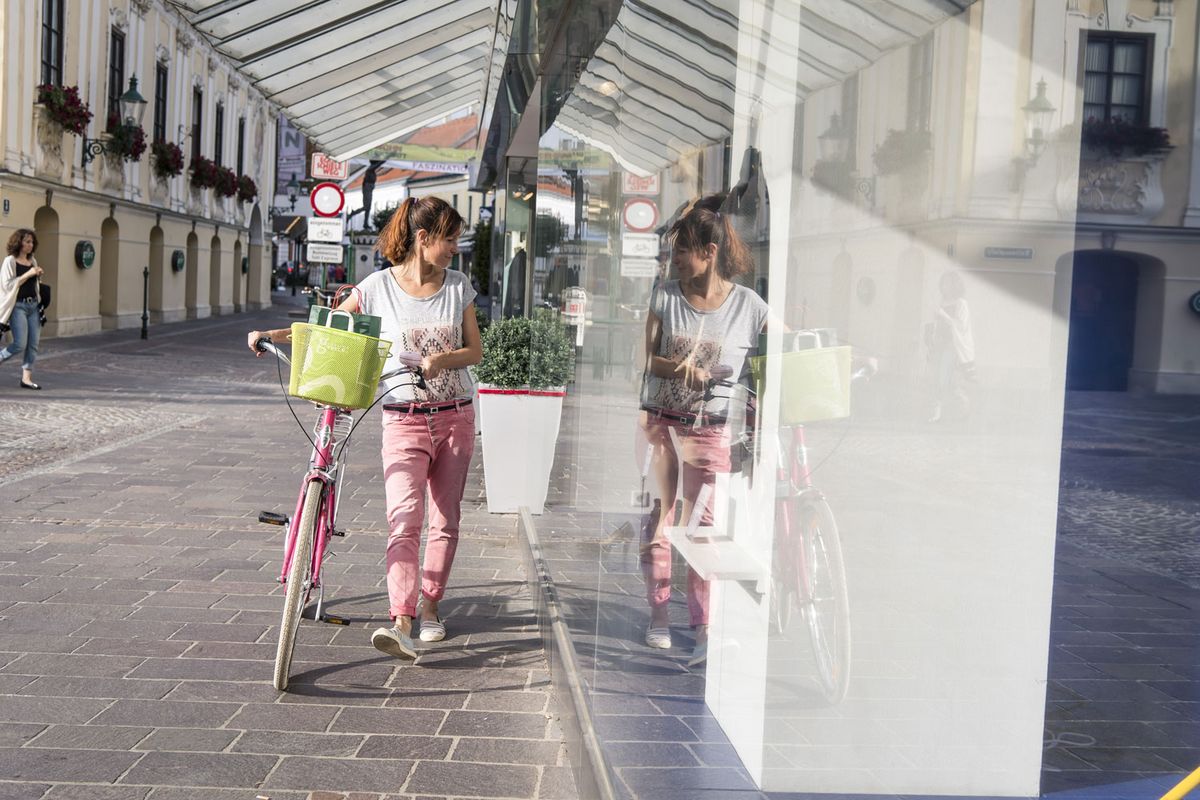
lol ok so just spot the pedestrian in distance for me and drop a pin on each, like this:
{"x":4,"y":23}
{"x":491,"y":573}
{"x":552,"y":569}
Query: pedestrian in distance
{"x":427,"y":312}
{"x":20,"y":295}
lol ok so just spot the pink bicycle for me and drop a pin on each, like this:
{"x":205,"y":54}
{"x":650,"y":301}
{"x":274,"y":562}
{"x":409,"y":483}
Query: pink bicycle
{"x":313,"y":523}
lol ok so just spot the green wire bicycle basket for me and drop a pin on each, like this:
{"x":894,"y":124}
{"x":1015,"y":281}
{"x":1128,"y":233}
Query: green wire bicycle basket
{"x":814,"y":385}
{"x":335,"y":367}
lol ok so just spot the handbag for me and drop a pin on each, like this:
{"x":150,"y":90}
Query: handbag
{"x":44,"y":295}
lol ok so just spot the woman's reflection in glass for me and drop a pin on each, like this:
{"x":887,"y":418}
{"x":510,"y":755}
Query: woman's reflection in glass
{"x":702,"y":326}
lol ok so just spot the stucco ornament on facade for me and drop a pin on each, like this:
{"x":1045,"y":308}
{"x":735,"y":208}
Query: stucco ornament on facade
{"x":1131,"y":186}
{"x":118,"y":18}
{"x":162,"y":55}
{"x":184,"y":41}
{"x":141,"y":7}
{"x":50,"y":140}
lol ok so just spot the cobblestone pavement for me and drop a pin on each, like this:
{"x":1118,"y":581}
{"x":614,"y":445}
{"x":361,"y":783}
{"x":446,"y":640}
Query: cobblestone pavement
{"x":139,"y":603}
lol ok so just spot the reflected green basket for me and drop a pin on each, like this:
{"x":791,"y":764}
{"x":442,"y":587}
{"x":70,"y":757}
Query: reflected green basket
{"x":815,"y":384}
{"x":335,"y":367}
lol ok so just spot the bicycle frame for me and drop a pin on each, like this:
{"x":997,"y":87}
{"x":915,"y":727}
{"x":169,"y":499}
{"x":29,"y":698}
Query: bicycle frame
{"x":324,"y":468}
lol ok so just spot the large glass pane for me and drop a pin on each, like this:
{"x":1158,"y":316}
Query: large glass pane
{"x":1129,"y":57}
{"x":821,"y":345}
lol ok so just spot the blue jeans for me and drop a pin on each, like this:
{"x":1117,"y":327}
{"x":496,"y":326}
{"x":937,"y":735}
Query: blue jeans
{"x":26,"y":331}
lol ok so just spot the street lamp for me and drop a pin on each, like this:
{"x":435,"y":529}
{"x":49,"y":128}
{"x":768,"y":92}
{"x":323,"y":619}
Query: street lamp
{"x":833,"y":143}
{"x":133,"y":108}
{"x":292,"y":188}
{"x":1038,"y":113}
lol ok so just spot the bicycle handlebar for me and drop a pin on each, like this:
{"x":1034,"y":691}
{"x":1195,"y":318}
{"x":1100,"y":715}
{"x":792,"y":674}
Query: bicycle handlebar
{"x":265,"y":345}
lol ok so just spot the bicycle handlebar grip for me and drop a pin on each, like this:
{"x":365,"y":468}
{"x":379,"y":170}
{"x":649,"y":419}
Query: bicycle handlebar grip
{"x":260,"y":345}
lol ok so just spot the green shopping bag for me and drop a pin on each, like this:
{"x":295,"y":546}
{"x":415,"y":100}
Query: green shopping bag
{"x":366,"y":324}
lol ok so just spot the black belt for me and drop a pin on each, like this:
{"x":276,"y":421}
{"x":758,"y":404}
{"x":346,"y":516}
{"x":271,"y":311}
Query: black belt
{"x":416,"y":408}
{"x":684,"y":419}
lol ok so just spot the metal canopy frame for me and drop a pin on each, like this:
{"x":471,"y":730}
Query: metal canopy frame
{"x":352,"y":74}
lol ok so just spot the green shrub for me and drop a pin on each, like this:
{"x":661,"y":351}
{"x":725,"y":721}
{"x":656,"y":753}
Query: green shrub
{"x":521,"y":352}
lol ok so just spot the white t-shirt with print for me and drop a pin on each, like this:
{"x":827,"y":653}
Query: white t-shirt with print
{"x":424,"y":325}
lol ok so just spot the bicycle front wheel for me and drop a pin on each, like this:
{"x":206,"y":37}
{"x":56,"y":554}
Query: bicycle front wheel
{"x":299,"y":582}
{"x":826,"y":603}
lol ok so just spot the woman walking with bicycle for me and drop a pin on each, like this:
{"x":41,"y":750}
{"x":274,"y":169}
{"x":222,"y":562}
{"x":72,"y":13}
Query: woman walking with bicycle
{"x":701,"y":325}
{"x":427,"y":312}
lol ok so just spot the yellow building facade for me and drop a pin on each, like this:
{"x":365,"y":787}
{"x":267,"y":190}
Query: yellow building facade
{"x":103,"y":222}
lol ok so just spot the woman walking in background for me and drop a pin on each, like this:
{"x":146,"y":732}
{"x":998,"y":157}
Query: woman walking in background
{"x":20,"y":293}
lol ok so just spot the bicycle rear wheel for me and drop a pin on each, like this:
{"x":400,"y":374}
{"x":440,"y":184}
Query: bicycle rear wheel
{"x":299,"y":582}
{"x":825,"y":602}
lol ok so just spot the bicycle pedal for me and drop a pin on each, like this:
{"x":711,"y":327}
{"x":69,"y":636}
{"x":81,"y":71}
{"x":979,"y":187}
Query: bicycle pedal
{"x":332,"y":620}
{"x":272,"y":518}
{"x":336,"y":532}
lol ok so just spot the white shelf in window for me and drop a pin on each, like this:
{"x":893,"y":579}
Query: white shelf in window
{"x":715,"y":556}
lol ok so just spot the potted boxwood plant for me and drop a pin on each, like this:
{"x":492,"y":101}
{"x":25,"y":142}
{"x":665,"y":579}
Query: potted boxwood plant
{"x":525,"y":367}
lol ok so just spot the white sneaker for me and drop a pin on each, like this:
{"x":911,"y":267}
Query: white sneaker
{"x":394,"y":642}
{"x":432,"y":630}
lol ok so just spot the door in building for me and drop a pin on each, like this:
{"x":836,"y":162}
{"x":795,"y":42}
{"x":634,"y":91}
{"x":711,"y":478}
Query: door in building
{"x":1103,"y":312}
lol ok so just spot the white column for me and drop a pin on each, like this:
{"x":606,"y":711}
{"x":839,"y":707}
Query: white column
{"x":1191,"y":216}
{"x":999,"y":104}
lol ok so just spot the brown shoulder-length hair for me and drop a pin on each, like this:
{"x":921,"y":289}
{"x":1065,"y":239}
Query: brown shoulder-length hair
{"x":14,"y":241}
{"x":430,"y":214}
{"x":705,"y":224}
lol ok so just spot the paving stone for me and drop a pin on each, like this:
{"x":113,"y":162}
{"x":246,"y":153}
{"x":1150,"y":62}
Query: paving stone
{"x":23,"y":791}
{"x":50,"y":709}
{"x":97,"y":687}
{"x":399,"y":721}
{"x":473,"y":780}
{"x":309,"y":744}
{"x":200,"y":769}
{"x":336,"y":774}
{"x":54,"y":765}
{"x":277,"y":717}
{"x":91,"y":666}
{"x":192,"y":740}
{"x":557,"y":783}
{"x":506,"y":751}
{"x":15,"y":734}
{"x":494,"y":723}
{"x":91,"y":737}
{"x":405,"y":747}
{"x":95,"y":791}
{"x":167,"y":713}
{"x":507,"y":701}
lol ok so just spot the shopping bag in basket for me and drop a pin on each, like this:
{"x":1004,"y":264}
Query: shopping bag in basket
{"x":366,"y":324}
{"x":814,"y":384}
{"x":335,"y":367}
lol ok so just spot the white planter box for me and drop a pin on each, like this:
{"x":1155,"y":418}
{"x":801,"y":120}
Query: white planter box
{"x":520,"y":428}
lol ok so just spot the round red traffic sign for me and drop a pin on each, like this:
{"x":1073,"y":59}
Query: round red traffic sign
{"x":327,"y":199}
{"x":640,"y":214}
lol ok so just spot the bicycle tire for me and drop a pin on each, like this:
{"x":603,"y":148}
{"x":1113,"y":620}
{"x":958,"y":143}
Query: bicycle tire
{"x":784,"y":563}
{"x":299,"y":579}
{"x":826,"y":608}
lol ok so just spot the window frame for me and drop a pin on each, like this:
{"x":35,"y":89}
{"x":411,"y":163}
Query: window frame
{"x":218,"y":133}
{"x":116,"y":75}
{"x":1146,"y":40}
{"x":161,"y":87}
{"x":197,"y":120}
{"x":241,"y":146}
{"x":53,"y":23}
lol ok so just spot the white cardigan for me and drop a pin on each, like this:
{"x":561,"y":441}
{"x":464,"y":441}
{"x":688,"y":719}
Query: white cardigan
{"x":9,"y":286}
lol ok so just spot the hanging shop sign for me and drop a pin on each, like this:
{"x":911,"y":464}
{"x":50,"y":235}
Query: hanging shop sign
{"x":85,"y":254}
{"x":325,"y":168}
{"x":327,"y":199}
{"x":177,"y":261}
{"x":640,"y":214}
{"x":324,"y":253}
{"x":636,"y":184}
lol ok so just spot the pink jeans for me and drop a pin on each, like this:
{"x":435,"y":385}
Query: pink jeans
{"x":704,"y":454}
{"x":424,"y":452}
